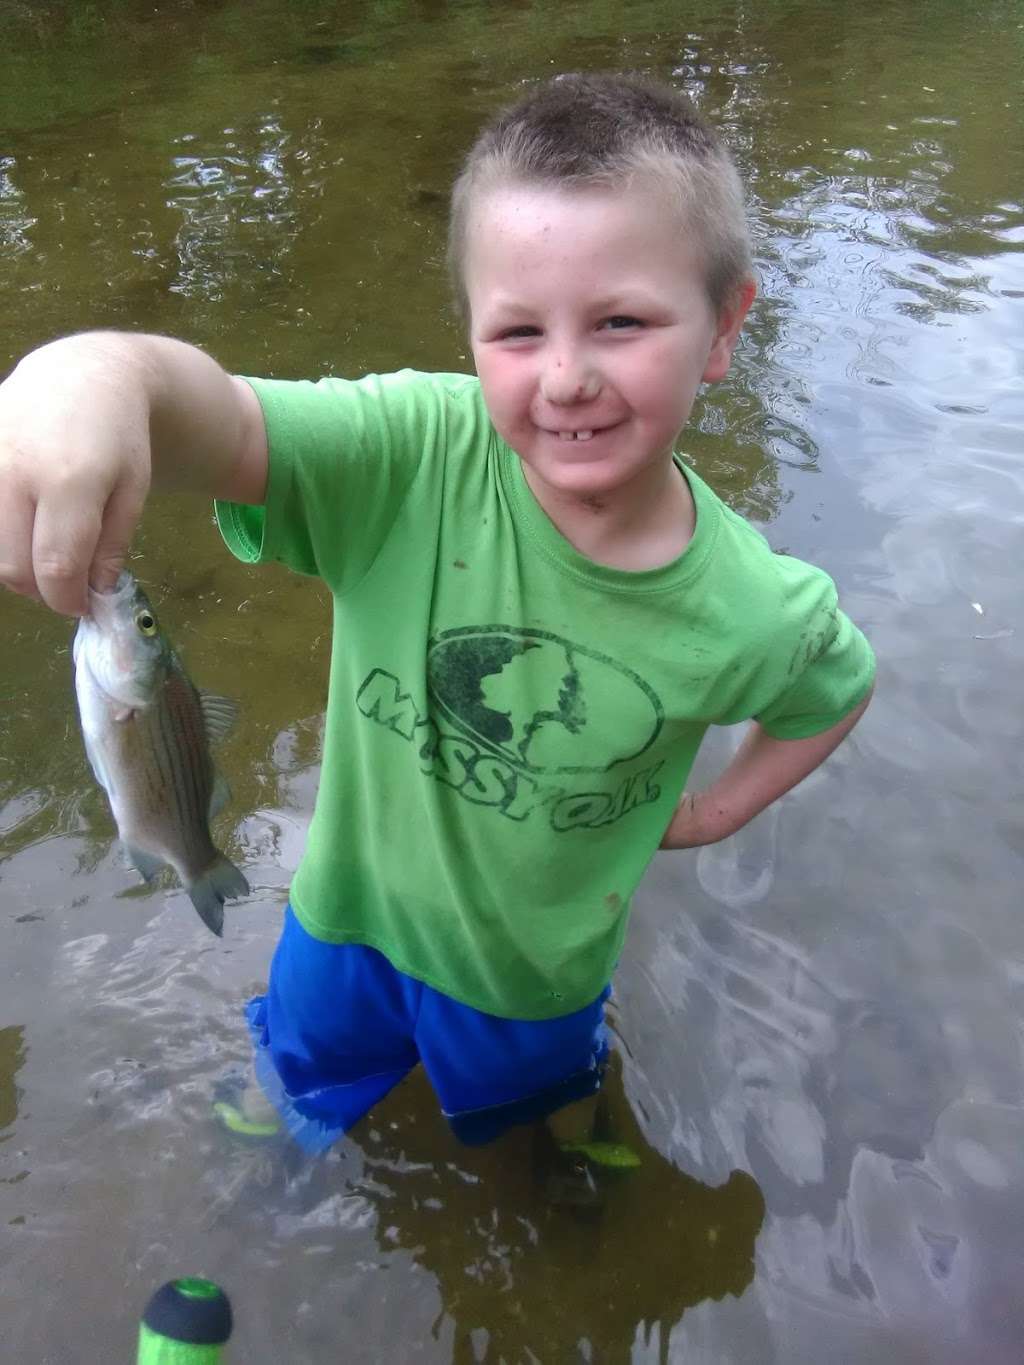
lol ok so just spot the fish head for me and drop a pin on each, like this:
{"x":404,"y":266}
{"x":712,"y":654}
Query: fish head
{"x":121,"y":644}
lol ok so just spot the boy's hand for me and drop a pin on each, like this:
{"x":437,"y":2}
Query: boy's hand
{"x":74,"y":471}
{"x":86,"y":424}
{"x":761,"y":771}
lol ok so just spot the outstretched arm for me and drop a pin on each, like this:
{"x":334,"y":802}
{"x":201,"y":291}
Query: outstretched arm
{"x":761,"y":771}
{"x":87,"y":424}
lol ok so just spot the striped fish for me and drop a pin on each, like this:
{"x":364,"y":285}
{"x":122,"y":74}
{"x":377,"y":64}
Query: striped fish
{"x":147,"y":733}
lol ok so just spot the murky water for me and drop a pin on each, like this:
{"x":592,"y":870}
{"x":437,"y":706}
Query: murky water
{"x":820,"y":1021}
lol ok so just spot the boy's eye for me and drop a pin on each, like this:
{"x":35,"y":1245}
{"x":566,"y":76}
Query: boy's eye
{"x":619,"y":321}
{"x":515,"y":333}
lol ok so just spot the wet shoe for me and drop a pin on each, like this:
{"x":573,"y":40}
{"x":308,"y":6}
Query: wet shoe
{"x":574,"y":1183}
{"x":577,"y":1174}
{"x":605,"y":1156}
{"x":241,"y":1107}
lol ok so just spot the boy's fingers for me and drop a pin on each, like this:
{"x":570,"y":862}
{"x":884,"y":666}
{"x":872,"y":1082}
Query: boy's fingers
{"x":17,"y":511}
{"x":63,"y":543}
{"x":120,"y":518}
{"x":104,"y":572}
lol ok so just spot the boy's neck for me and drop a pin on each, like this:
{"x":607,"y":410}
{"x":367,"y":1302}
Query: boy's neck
{"x":642,"y":526}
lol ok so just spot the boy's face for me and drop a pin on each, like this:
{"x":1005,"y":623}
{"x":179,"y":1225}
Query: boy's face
{"x":591,"y":330}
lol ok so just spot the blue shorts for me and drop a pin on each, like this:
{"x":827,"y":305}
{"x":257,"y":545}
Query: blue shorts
{"x":339,"y":1026}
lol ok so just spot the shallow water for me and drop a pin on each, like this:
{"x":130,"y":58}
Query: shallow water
{"x":819,"y":1021}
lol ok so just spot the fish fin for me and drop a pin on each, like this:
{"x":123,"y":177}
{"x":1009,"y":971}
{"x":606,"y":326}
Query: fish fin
{"x":144,"y":863}
{"x":219,"y":714}
{"x":208,"y":893}
{"x":221,"y":794}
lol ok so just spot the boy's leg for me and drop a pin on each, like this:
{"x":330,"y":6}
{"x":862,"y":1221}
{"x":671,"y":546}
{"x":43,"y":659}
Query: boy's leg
{"x":332,"y":1035}
{"x":573,"y":1122}
{"x":491,"y":1073}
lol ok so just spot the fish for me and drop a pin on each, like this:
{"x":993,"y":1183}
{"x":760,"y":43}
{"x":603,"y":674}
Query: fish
{"x":147,"y":731}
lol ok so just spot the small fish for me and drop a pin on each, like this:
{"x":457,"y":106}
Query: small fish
{"x":147,"y":733}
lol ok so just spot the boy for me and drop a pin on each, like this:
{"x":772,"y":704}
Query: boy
{"x":538,"y":608}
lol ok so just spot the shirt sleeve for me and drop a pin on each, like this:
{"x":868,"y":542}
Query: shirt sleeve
{"x":817,"y":666}
{"x":789,"y":657}
{"x":834,"y":679}
{"x":343,"y":454}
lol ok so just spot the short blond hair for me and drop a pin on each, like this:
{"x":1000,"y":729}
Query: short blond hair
{"x":605,"y":130}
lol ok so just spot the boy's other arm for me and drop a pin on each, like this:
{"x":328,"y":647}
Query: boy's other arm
{"x":87,"y":425}
{"x":761,"y":771}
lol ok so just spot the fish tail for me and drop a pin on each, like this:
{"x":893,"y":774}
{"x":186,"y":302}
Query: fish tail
{"x":218,"y":883}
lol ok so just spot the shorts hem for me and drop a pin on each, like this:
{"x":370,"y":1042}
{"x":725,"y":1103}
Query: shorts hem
{"x":474,"y":1127}
{"x":305,"y":1116}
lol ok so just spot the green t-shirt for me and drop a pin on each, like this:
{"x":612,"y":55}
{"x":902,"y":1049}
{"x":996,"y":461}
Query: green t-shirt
{"x":510,"y":725}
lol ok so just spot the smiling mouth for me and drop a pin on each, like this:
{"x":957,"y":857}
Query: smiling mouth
{"x":577,"y":434}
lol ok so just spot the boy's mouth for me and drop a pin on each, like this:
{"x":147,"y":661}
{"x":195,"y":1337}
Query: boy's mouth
{"x":575,"y":435}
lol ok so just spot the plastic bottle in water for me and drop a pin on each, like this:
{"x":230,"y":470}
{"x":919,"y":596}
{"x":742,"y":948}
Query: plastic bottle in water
{"x":186,"y":1322}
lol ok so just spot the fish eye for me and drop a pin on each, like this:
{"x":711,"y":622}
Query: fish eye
{"x":146,"y":622}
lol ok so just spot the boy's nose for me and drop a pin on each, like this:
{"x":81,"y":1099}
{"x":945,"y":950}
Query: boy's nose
{"x":568,"y":379}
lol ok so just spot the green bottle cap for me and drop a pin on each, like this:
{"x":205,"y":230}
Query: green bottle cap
{"x":186,"y":1322}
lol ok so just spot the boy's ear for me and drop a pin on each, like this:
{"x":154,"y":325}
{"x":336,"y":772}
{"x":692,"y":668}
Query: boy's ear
{"x":730,"y":322}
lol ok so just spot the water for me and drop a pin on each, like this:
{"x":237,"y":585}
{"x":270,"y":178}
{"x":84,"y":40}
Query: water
{"x":820,"y":1021}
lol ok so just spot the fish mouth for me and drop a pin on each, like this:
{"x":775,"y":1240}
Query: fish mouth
{"x":104,"y":606}
{"x":124,"y":581}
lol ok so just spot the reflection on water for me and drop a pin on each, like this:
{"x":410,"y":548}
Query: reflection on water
{"x":15,"y":224}
{"x":516,"y":1278}
{"x":12,"y":1055}
{"x":819,"y":1022}
{"x":236,"y":204}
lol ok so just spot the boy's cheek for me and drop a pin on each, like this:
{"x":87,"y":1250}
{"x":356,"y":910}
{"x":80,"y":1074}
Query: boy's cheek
{"x":496,"y":402}
{"x":499,"y":386}
{"x":485,"y":368}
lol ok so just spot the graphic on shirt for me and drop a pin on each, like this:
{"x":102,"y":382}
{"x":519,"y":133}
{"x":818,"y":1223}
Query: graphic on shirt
{"x":521,"y":719}
{"x":545,"y":704}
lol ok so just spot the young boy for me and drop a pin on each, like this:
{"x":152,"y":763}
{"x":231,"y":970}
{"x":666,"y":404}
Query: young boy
{"x":539,"y":609}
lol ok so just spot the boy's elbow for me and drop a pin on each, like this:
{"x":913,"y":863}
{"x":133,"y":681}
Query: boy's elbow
{"x":246,"y":479}
{"x":864,"y":702}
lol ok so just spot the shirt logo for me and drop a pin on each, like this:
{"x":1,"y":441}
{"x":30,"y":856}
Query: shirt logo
{"x":521,"y":720}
